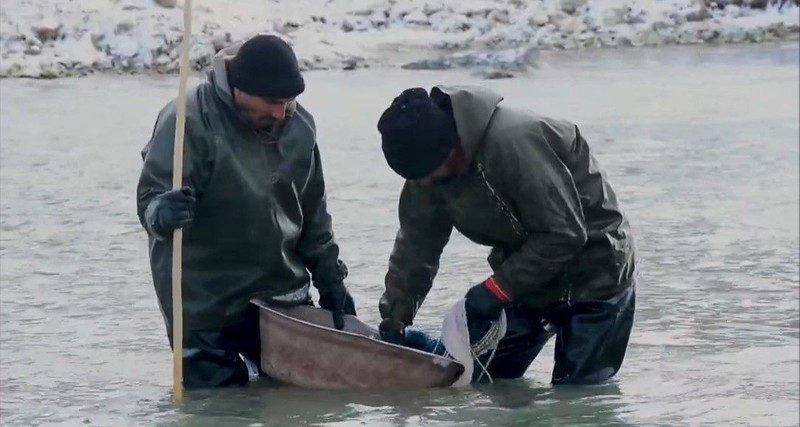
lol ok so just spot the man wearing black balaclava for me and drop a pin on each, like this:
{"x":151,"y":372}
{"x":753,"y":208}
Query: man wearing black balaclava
{"x":562,"y":255}
{"x":253,"y":209}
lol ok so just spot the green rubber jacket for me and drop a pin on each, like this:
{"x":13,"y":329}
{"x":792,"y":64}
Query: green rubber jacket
{"x":261,"y":225}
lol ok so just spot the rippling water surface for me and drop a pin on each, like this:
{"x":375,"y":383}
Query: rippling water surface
{"x":701,"y":146}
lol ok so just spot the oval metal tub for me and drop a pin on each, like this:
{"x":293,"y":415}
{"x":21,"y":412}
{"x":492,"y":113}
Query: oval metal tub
{"x":300,"y":346}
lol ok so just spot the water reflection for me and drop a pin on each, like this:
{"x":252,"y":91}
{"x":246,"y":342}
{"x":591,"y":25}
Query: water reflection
{"x":506,"y":402}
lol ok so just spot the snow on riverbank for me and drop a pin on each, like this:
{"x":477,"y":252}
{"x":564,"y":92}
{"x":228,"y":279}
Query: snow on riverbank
{"x":55,"y":38}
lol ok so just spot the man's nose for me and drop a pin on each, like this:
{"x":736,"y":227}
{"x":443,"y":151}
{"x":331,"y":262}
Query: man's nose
{"x":278,"y":111}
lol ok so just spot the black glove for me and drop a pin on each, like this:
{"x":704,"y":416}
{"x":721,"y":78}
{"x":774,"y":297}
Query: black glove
{"x":484,"y":303}
{"x":393,"y":331}
{"x":337,"y":299}
{"x":170,"y":210}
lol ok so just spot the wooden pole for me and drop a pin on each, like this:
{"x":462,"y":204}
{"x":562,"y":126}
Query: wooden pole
{"x":177,"y":183}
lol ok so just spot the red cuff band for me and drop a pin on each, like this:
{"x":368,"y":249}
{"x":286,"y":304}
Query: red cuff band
{"x":494,"y":287}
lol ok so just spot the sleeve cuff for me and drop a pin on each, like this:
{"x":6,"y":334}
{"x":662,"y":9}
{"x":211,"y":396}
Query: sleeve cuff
{"x":497,"y":290}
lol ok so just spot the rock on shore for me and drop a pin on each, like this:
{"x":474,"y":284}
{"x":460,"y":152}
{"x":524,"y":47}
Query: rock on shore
{"x":50,"y":38}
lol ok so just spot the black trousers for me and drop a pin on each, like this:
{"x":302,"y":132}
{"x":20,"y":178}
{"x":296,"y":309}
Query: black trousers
{"x":591,"y":339}
{"x":211,"y":357}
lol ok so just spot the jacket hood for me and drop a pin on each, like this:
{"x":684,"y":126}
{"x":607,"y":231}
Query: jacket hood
{"x":473,"y":107}
{"x":219,"y":73}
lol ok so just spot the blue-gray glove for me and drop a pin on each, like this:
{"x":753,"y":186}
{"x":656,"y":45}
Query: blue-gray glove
{"x":170,"y":210}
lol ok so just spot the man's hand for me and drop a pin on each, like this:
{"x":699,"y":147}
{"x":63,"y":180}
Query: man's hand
{"x":338,"y":300}
{"x":392,"y":331}
{"x":484,"y":303}
{"x":170,"y":210}
{"x":486,"y":300}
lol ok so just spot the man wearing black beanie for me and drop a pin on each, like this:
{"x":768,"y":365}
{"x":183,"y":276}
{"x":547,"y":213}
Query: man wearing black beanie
{"x":562,"y":254}
{"x":253,"y":209}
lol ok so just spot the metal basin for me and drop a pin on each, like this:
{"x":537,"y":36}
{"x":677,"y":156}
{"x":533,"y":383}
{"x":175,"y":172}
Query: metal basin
{"x":300,"y":346}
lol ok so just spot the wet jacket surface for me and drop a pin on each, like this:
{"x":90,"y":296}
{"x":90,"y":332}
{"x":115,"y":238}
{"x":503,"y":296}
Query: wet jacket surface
{"x":261,"y":225}
{"x":534,"y":193}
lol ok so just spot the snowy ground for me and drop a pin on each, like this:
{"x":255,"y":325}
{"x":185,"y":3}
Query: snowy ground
{"x":55,"y":38}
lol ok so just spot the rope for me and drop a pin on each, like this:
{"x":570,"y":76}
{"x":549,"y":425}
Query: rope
{"x":490,"y":340}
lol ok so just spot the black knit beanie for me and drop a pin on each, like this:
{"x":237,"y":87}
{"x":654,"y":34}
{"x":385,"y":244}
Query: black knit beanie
{"x":417,"y":135}
{"x":266,"y":66}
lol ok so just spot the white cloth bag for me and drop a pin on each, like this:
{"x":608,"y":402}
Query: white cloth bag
{"x":455,"y":338}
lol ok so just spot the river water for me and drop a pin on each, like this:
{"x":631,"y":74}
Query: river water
{"x":700,"y":144}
